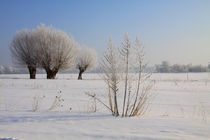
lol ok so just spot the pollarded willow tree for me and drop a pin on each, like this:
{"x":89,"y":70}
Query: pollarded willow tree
{"x":24,"y":51}
{"x":57,"y":50}
{"x":86,"y":60}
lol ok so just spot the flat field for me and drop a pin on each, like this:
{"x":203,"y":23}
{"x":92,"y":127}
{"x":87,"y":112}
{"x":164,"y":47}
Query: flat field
{"x":179,"y":110}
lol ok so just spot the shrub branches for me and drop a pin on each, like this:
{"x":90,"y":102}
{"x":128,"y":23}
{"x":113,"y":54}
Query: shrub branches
{"x":117,"y":66}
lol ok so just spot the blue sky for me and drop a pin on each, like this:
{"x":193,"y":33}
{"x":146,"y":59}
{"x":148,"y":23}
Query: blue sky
{"x":173,"y":30}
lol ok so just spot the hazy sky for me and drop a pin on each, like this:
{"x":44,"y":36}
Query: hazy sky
{"x":173,"y":30}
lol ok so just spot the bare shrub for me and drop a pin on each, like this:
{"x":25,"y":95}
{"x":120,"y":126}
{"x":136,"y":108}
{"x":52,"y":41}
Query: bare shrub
{"x":93,"y":95}
{"x":117,"y":66}
{"x":57,"y":102}
{"x":110,"y":66}
{"x":202,"y":112}
{"x":142,"y":94}
{"x":37,"y":101}
{"x":93,"y":107}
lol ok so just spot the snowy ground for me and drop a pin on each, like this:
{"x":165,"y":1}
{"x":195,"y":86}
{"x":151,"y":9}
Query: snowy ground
{"x":180,"y":109}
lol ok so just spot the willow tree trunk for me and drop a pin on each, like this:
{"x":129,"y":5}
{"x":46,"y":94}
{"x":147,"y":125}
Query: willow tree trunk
{"x":80,"y":74}
{"x":51,"y":73}
{"x":32,"y":72}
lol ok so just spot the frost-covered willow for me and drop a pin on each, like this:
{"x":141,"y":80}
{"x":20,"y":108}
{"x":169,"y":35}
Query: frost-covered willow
{"x":24,"y":51}
{"x":86,"y":60}
{"x":57,"y":50}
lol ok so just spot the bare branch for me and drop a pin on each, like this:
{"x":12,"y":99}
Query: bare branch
{"x":93,"y":95}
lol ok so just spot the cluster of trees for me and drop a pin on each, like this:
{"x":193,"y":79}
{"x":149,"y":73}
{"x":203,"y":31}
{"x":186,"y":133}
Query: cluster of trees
{"x":52,"y":50}
{"x":165,"y":67}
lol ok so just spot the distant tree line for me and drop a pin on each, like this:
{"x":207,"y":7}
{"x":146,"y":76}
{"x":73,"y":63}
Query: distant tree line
{"x":176,"y":68}
{"x":5,"y":69}
{"x":165,"y":67}
{"x":8,"y":69}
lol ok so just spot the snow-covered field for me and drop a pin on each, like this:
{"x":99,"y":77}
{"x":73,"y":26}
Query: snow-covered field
{"x":180,"y":109}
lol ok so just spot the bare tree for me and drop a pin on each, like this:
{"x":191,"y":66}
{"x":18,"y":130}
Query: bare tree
{"x":125,"y":53}
{"x":86,"y":60}
{"x":24,"y":51}
{"x":110,"y":67}
{"x":57,"y":51}
{"x":142,"y":95}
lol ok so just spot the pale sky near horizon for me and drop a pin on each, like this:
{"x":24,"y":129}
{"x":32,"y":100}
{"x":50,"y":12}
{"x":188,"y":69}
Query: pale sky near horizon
{"x":174,"y":30}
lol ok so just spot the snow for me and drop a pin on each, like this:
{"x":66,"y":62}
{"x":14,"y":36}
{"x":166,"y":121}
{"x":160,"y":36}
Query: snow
{"x":180,"y":109}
